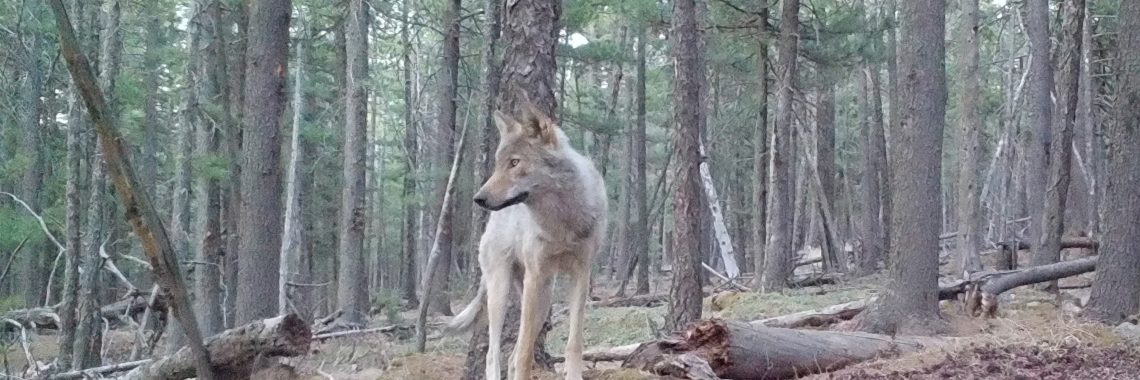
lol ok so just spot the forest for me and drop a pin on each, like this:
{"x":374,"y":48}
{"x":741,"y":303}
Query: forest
{"x":831,"y":189}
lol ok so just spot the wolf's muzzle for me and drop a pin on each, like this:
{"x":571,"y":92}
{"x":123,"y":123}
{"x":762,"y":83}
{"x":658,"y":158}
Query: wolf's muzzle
{"x":481,"y":200}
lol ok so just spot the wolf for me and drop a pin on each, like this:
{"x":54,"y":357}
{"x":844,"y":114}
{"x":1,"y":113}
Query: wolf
{"x":548,"y":206}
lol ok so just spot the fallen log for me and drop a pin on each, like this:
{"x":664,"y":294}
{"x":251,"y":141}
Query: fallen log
{"x":1066,"y":243}
{"x":231,"y":352}
{"x":995,"y":286}
{"x":816,"y":318}
{"x":815,"y":280}
{"x":735,"y":350}
{"x":46,"y":318}
{"x":641,"y":300}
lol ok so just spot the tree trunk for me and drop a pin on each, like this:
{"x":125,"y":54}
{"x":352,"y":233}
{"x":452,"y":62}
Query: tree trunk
{"x":260,"y":227}
{"x":760,"y":155}
{"x":352,"y":287}
{"x":639,"y":209}
{"x":75,"y":125}
{"x":34,"y":271}
{"x":720,"y":229}
{"x":445,"y":131}
{"x":780,"y":209}
{"x":291,"y":237}
{"x":411,"y":146}
{"x":735,"y":350}
{"x":970,"y":127}
{"x":825,"y":168}
{"x":231,"y":213}
{"x":874,"y":247}
{"x":192,"y":114}
{"x":688,"y":88}
{"x":1116,"y":289}
{"x":215,"y":119}
{"x":1057,"y":189}
{"x":1039,"y":100}
{"x":910,"y":302}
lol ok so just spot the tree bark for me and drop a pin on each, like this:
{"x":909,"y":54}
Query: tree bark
{"x":735,"y":350}
{"x":970,"y":127}
{"x":1040,"y":104}
{"x":352,"y":286}
{"x":260,"y":226}
{"x":778,"y":251}
{"x":910,"y":302}
{"x":235,"y":107}
{"x":1116,"y":289}
{"x":688,"y":90}
{"x":1057,"y":190}
{"x":760,"y":154}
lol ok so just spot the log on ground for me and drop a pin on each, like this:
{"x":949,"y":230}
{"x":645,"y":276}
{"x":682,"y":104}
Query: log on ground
{"x":995,"y":286}
{"x":231,"y":352}
{"x":816,"y":318}
{"x":736,"y":350}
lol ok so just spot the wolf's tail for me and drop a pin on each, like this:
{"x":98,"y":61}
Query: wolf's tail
{"x":463,"y":321}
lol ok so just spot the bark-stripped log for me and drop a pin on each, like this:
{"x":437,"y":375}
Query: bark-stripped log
{"x":735,"y":350}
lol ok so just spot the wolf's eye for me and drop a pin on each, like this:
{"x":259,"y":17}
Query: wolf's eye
{"x":514,"y":162}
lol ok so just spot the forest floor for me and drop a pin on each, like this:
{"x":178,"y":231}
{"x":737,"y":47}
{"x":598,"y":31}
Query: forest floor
{"x":1034,"y":337}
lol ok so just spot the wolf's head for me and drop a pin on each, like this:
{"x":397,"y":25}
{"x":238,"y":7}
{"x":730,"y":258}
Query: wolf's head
{"x":527,"y":159}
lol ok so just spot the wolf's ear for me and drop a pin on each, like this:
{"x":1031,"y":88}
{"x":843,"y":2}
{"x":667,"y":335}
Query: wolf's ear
{"x":506,"y":124}
{"x":540,"y":126}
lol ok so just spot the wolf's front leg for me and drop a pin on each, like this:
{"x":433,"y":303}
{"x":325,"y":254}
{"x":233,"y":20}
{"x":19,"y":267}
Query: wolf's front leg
{"x":498,"y":283}
{"x":530,"y":321}
{"x":578,"y":295}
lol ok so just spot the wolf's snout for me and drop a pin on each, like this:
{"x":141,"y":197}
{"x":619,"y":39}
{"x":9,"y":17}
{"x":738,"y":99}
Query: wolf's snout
{"x":481,"y":200}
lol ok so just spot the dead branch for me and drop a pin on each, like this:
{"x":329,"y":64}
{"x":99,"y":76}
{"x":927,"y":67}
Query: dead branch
{"x":433,"y":255}
{"x":727,"y":280}
{"x":39,"y":219}
{"x":378,"y":330}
